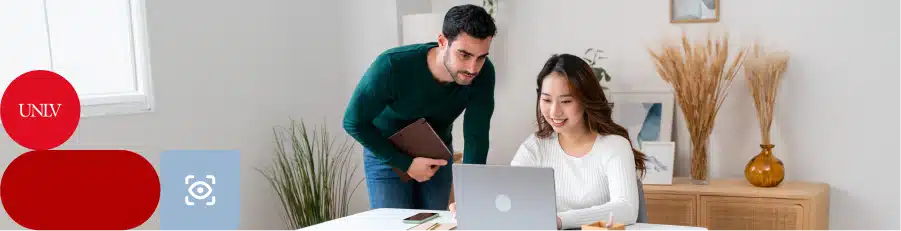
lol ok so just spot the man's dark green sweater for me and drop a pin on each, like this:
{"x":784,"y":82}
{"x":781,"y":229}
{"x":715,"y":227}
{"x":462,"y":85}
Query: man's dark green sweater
{"x":398,"y":88}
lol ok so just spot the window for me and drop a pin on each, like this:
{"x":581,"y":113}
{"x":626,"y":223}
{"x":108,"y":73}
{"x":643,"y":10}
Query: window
{"x":99,"y":46}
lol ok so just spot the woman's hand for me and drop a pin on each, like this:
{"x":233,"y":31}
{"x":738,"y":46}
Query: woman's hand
{"x":559,"y":223}
{"x":453,"y":209}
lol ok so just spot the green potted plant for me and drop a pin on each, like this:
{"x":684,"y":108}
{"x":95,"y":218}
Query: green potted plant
{"x":312,"y":176}
{"x":592,"y":56}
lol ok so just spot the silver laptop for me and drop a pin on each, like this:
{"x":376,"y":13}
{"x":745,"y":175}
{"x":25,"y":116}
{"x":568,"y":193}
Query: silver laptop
{"x":504,"y":197}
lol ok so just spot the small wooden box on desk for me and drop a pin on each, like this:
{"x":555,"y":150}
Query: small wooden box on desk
{"x":736,"y":204}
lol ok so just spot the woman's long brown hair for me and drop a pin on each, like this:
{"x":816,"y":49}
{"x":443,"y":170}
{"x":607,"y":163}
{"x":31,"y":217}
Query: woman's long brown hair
{"x":588,"y":92}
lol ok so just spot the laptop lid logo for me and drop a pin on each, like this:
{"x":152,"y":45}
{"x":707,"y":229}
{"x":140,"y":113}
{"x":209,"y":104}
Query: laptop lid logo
{"x":502,"y":203}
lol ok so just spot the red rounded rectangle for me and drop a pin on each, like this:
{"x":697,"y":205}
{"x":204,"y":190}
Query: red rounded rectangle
{"x":80,"y":189}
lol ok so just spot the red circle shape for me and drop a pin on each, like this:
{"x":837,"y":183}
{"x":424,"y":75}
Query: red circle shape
{"x":40,"y":110}
{"x":80,"y":189}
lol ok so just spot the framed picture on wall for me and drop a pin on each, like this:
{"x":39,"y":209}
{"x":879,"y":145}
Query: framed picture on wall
{"x":646,"y":115}
{"x":694,"y":11}
{"x":660,"y":160}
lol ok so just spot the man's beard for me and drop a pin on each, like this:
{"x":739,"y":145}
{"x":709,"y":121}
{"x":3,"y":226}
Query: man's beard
{"x":455,"y":74}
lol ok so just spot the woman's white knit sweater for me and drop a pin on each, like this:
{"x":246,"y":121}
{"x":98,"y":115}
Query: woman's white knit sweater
{"x":588,"y":188}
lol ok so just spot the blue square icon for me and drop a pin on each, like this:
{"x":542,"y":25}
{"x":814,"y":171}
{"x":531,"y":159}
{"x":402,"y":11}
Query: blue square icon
{"x":199,"y":189}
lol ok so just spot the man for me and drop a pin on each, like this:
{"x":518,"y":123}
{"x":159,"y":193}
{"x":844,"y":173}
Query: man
{"x":436,"y":81}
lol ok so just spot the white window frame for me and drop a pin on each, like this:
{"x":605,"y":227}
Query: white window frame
{"x":141,"y":100}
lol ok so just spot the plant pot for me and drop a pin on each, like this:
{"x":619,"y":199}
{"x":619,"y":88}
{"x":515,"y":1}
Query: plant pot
{"x":765,"y":170}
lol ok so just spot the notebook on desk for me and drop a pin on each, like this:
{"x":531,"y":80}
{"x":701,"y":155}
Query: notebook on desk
{"x":419,"y":140}
{"x":434,"y":226}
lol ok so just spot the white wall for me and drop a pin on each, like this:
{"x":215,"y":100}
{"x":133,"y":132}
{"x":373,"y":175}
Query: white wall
{"x":844,"y":54}
{"x":225,"y":72}
{"x":407,"y":7}
{"x":441,"y":6}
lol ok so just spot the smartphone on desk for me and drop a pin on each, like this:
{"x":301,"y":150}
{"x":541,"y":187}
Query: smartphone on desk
{"x":420,"y":218}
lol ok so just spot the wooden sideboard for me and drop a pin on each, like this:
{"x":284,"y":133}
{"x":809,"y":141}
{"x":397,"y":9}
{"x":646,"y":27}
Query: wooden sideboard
{"x":736,"y":204}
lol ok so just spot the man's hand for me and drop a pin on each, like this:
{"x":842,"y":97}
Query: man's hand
{"x":422,"y":169}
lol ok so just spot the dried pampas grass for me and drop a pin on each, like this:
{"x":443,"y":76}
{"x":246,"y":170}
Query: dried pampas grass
{"x":763,"y":71}
{"x":700,"y":74}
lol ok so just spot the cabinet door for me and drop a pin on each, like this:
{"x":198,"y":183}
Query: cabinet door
{"x":722,"y":212}
{"x":671,"y":209}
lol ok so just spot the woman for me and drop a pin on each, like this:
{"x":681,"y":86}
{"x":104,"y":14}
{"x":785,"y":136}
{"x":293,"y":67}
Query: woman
{"x":595,"y":167}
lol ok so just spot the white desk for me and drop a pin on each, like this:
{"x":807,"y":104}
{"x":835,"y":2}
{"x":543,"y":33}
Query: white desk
{"x":390,"y":219}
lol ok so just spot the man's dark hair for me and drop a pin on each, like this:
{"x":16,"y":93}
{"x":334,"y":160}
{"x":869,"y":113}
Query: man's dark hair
{"x":470,"y":19}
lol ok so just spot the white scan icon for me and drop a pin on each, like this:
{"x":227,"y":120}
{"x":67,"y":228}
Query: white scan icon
{"x":204,"y":189}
